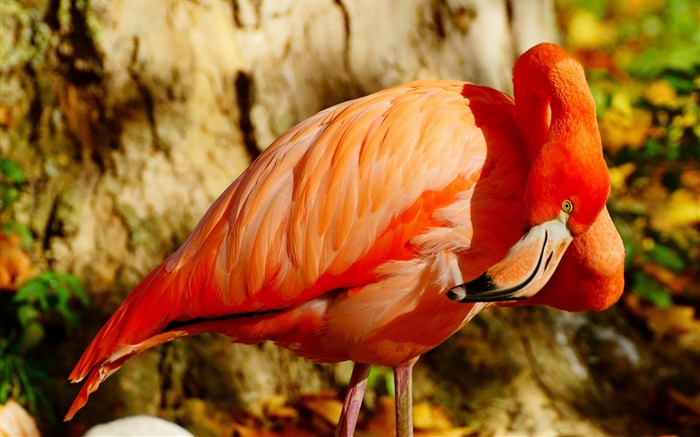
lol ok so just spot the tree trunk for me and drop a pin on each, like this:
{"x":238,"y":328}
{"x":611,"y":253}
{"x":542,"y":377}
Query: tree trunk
{"x":131,"y":117}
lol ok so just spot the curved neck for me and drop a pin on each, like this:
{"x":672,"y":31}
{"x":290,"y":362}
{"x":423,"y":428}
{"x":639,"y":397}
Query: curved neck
{"x":556,"y":116}
{"x":551,"y":95}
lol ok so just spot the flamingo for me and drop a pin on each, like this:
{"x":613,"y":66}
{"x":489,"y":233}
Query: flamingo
{"x":378,"y":227}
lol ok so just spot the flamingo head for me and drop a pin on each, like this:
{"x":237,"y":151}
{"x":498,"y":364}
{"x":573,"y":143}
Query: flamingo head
{"x":568,"y":183}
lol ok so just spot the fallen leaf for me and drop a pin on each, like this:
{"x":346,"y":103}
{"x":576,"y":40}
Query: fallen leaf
{"x":618,"y":129}
{"x":328,"y":408}
{"x":661,"y":93}
{"x":426,"y":416}
{"x":620,"y":174}
{"x":383,"y":421}
{"x":428,"y":421}
{"x":241,"y":430}
{"x":676,"y":283}
{"x":433,"y":421}
{"x":206,"y":419}
{"x":681,"y":209}
{"x":15,"y":265}
{"x":690,"y":178}
{"x":676,"y":320}
{"x":587,"y":32}
{"x":276,"y":407}
{"x":450,"y":432}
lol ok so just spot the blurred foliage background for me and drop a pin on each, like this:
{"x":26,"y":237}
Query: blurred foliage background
{"x":643,"y":63}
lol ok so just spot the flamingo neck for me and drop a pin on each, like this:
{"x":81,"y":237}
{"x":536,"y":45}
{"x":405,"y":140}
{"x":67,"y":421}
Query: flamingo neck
{"x":551,"y":99}
{"x":556,"y":116}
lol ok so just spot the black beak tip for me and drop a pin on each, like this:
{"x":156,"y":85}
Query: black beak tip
{"x":477,"y":290}
{"x":457,"y":293}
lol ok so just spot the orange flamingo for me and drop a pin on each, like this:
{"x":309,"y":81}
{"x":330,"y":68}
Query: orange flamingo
{"x":377,"y":228}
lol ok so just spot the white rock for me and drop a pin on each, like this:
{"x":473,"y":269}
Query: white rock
{"x":138,"y":426}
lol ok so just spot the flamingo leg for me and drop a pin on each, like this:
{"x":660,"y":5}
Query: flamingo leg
{"x":403,"y":386}
{"x":353,"y":400}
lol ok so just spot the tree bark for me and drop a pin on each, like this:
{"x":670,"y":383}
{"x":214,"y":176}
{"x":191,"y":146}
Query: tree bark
{"x":131,"y":117}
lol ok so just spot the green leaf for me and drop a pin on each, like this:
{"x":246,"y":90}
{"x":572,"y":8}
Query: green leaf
{"x":681,"y":18}
{"x":11,"y":227}
{"x":8,"y":194}
{"x":651,"y":291}
{"x":681,"y":83}
{"x":12,"y":171}
{"x":653,"y":148}
{"x":77,"y":287}
{"x":33,"y":335}
{"x":601,"y":99}
{"x":667,"y":257}
{"x":34,"y":290}
{"x":379,"y":375}
{"x":25,"y":381}
{"x":27,"y":314}
{"x":51,"y":290}
{"x":4,"y":378}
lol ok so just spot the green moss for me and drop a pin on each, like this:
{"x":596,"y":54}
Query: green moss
{"x":24,"y":33}
{"x":63,"y":15}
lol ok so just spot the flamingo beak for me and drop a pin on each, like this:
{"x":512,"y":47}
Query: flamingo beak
{"x":527,"y":267}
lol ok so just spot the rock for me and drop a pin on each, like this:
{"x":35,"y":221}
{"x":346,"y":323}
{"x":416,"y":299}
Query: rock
{"x":137,"y":426}
{"x":16,"y":421}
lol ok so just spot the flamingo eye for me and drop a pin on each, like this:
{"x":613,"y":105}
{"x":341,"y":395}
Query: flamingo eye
{"x":567,"y":206}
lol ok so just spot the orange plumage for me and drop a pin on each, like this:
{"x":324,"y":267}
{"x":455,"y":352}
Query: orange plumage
{"x":343,"y":238}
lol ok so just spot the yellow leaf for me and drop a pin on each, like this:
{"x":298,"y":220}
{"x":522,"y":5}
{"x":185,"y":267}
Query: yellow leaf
{"x":433,"y":421}
{"x":677,"y":320}
{"x":621,"y":102}
{"x":426,"y":416}
{"x":620,"y":174}
{"x":618,"y":129}
{"x":690,"y":178}
{"x":428,"y":421}
{"x":587,"y":32}
{"x":449,"y":432}
{"x":276,"y":406}
{"x":661,"y":93}
{"x":327,"y":408}
{"x":681,"y":209}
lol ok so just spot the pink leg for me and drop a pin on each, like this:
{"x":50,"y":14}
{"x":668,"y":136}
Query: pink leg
{"x":353,"y":400}
{"x":403,"y":378}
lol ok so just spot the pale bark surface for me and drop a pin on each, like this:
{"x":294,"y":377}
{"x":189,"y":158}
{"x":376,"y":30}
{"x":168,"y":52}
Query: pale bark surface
{"x":130,"y":117}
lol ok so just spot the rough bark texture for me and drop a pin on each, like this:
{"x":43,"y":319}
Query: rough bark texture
{"x":130,"y":117}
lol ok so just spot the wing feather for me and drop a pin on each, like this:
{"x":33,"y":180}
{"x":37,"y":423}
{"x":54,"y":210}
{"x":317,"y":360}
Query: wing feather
{"x":327,"y":203}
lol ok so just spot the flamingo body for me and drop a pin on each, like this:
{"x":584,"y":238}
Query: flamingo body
{"x":342,"y":239}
